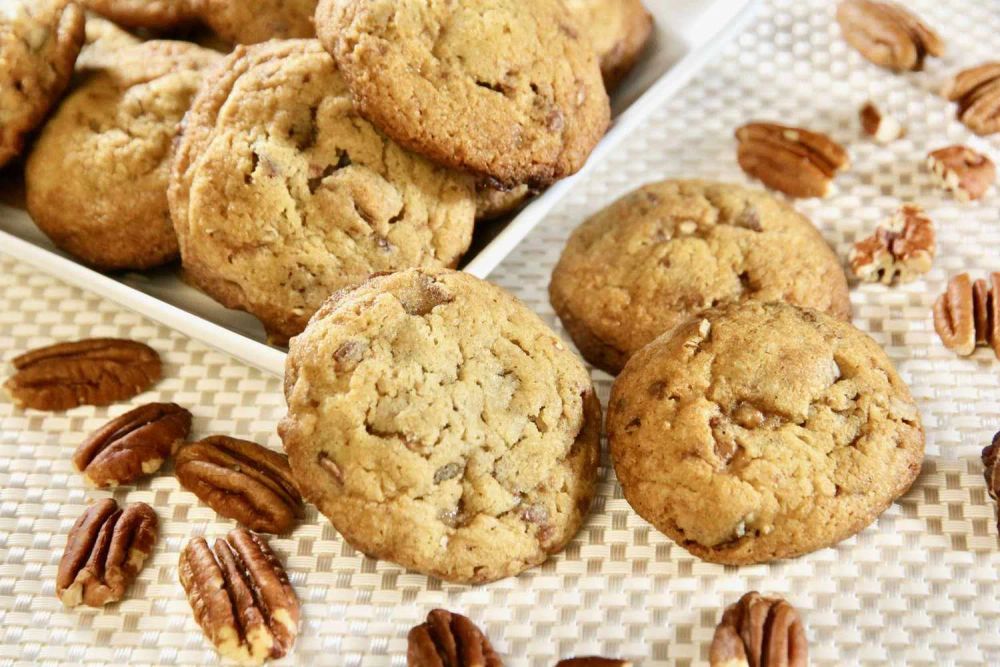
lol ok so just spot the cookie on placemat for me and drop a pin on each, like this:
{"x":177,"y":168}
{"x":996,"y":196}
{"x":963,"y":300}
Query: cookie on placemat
{"x":618,"y":29}
{"x":39,"y":42}
{"x":504,"y":88}
{"x":281,"y":194}
{"x":96,"y":179}
{"x":441,"y":425}
{"x":668,"y":250}
{"x":253,"y":21}
{"x":759,"y":431}
{"x":154,"y":14}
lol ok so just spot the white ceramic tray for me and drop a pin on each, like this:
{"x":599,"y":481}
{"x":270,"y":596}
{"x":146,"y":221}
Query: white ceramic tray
{"x":688,"y":33}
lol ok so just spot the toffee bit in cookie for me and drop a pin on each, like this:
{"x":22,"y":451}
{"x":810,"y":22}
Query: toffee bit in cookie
{"x":883,"y":129}
{"x":901,"y":249}
{"x":967,"y":174}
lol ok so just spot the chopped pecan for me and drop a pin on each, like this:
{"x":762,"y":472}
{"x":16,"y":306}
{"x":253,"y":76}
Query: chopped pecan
{"x":241,"y":480}
{"x":449,"y":640}
{"x":797,"y":162}
{"x":901,"y":248}
{"x":992,"y":472}
{"x":883,"y":129}
{"x":96,"y":371}
{"x":594,"y":661}
{"x":132,"y":445}
{"x":887,"y":34}
{"x":968,"y":314}
{"x":962,"y":171}
{"x":759,"y":632}
{"x":105,"y":550}
{"x":240,"y":596}
{"x":977,"y":92}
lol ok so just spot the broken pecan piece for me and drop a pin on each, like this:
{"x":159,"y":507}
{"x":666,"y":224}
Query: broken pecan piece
{"x":241,"y":480}
{"x":132,"y":445}
{"x":759,"y":632}
{"x":797,"y":162}
{"x":977,"y":92}
{"x":992,"y":472}
{"x":449,"y":640}
{"x":962,"y":171}
{"x":96,"y":371}
{"x":968,"y":314}
{"x":104,"y":552}
{"x":883,"y":129}
{"x":900,"y":249}
{"x":240,"y":596}
{"x":887,"y":34}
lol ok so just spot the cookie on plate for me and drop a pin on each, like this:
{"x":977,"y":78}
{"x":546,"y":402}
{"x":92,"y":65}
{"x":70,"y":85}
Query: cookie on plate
{"x":253,"y":21}
{"x":39,"y":42}
{"x":281,"y":194}
{"x":504,"y":88}
{"x":495,"y":202}
{"x":153,"y":14}
{"x":103,"y":40}
{"x":757,"y":431}
{"x":618,"y":30}
{"x":96,"y":179}
{"x":668,"y":250}
{"x":440,"y":424}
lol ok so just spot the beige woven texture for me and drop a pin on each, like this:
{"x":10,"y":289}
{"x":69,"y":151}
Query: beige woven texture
{"x":919,"y":587}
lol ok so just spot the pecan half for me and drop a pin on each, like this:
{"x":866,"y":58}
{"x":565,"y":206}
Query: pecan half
{"x":594,"y":661}
{"x":887,"y":34}
{"x":883,"y":129}
{"x":968,"y":314}
{"x":449,"y":640}
{"x":241,"y":480}
{"x":240,"y":596}
{"x":759,"y":632}
{"x":977,"y":92}
{"x":992,"y":472}
{"x":105,"y":551}
{"x":962,"y":171}
{"x":797,"y":162}
{"x":900,"y":249}
{"x":96,"y":371}
{"x":132,"y":445}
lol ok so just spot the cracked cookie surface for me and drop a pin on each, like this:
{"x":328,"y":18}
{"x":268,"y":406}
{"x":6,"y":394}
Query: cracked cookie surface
{"x":440,"y":424}
{"x":96,"y":179}
{"x":39,"y":42}
{"x":668,"y":250}
{"x":282,"y":194}
{"x":253,"y":21}
{"x":759,"y":431}
{"x":154,"y":14}
{"x":504,"y":88}
{"x":618,"y":30}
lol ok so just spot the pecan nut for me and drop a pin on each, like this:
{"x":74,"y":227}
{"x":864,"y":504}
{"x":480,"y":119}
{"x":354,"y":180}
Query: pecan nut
{"x":880,"y":127}
{"x":991,"y":471}
{"x":96,"y":371}
{"x":132,"y":445}
{"x":964,"y":172}
{"x":240,"y":596}
{"x":968,"y":314}
{"x":900,"y":249}
{"x":977,"y":92}
{"x":104,"y":553}
{"x":449,"y":640}
{"x":241,"y":480}
{"x":797,"y":162}
{"x":594,"y":661}
{"x":758,"y":632}
{"x":888,"y":34}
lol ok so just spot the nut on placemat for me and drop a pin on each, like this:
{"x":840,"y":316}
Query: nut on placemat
{"x":966,"y":173}
{"x":759,"y":631}
{"x":792,"y":160}
{"x":967,"y":315}
{"x":888,"y":34}
{"x":447,"y":639}
{"x":977,"y":92}
{"x":901,"y":249}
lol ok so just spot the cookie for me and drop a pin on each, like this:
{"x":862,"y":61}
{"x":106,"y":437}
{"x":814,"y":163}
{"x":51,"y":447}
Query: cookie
{"x":618,"y":31}
{"x":282,"y":194}
{"x":494,"y":202}
{"x":96,"y":179}
{"x":103,"y":40}
{"x":759,"y":431}
{"x":39,"y":42}
{"x":504,"y":88}
{"x":440,"y":424}
{"x":153,"y":14}
{"x":253,"y":21}
{"x":668,"y":250}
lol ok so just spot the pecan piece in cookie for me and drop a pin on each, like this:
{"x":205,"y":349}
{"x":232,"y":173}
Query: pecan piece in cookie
{"x":792,"y":160}
{"x":967,"y":315}
{"x":977,"y":92}
{"x":880,"y":127}
{"x":901,"y":249}
{"x":887,"y":34}
{"x":96,"y":371}
{"x":965,"y":173}
{"x":240,"y":596}
{"x":241,"y":480}
{"x":758,"y":631}
{"x":105,"y":550}
{"x":449,"y":640}
{"x":132,"y":445}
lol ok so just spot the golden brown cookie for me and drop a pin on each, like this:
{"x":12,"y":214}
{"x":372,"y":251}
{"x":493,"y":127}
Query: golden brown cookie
{"x":103,"y":41}
{"x":440,"y":424}
{"x":153,"y":14}
{"x":253,"y":21}
{"x":504,"y":88}
{"x":618,"y":30}
{"x":96,"y":179}
{"x":668,"y":250}
{"x":494,"y":201}
{"x":39,"y":42}
{"x":315,"y":198}
{"x":759,"y":431}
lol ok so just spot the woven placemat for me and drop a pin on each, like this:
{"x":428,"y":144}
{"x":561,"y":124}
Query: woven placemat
{"x":918,"y":587}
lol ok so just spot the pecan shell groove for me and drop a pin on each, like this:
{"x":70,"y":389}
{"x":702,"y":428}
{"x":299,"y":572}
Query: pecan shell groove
{"x":449,"y":640}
